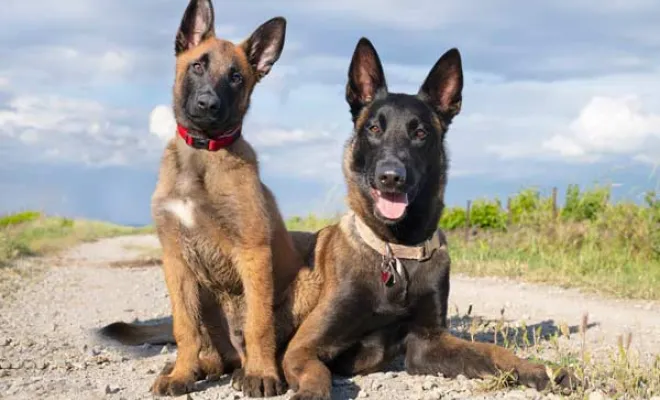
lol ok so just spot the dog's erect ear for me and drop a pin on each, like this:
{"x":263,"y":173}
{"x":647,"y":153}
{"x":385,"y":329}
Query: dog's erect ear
{"x":196,"y":25}
{"x":264,"y":47}
{"x":365,"y":77}
{"x":444,"y":85}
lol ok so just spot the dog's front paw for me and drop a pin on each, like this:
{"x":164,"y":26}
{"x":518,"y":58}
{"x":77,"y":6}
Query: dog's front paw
{"x":540,"y":378}
{"x":257,"y":386}
{"x":173,"y":385}
{"x":237,"y":378}
{"x":308,"y":395}
{"x":263,"y":386}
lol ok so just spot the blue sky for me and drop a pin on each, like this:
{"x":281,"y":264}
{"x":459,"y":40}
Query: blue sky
{"x":555,"y":93}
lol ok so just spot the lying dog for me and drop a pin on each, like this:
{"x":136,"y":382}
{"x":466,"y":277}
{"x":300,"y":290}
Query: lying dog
{"x":385,"y":266}
{"x":227,"y":256}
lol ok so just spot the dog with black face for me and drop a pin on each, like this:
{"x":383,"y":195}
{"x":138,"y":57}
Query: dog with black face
{"x":385,"y":267}
{"x":227,"y":257}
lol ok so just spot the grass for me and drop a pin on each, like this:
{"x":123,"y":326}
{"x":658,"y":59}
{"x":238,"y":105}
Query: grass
{"x":618,"y":372}
{"x":31,"y":233}
{"x":589,"y":243}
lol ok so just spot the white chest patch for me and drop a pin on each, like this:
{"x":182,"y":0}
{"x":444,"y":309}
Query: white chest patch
{"x":183,"y":209}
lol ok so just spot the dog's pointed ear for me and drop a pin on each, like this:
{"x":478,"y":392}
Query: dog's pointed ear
{"x":366,"y":79}
{"x":264,"y":47}
{"x":196,"y":25}
{"x":444,"y":85}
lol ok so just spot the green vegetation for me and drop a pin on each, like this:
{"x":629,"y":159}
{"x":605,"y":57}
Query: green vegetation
{"x":610,"y":248}
{"x":309,"y":223}
{"x":619,"y":371}
{"x":31,"y":233}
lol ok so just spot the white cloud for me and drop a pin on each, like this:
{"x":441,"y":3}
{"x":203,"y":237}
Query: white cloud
{"x":162,"y":122}
{"x":47,"y":66}
{"x":607,"y":125}
{"x":283,"y":137}
{"x":60,"y":129}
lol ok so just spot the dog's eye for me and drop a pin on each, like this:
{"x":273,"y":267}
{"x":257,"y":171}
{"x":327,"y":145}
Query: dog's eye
{"x":236,"y":78}
{"x":198,"y":68}
{"x":374,"y":129}
{"x":420,"y":134}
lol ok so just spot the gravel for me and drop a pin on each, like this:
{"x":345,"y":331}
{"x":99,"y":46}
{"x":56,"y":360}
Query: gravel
{"x":48,"y":350}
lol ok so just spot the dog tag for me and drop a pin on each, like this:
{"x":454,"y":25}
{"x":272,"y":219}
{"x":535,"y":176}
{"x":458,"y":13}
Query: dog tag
{"x":389,"y":267}
{"x":399,"y":266}
{"x":387,"y":278}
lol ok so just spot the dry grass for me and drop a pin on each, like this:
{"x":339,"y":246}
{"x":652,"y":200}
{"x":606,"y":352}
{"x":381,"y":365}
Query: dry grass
{"x":567,"y":255}
{"x":32,"y":234}
{"x":619,"y":372}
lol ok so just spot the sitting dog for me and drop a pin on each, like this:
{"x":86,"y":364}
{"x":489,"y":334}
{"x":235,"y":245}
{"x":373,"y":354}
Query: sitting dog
{"x":227,"y":256}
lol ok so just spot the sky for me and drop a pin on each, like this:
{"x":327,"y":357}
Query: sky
{"x":555,"y":93}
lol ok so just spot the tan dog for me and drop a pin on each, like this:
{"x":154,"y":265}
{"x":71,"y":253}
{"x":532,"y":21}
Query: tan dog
{"x":224,"y":241}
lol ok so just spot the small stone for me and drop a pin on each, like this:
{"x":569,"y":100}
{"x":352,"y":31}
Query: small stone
{"x":516,"y":394}
{"x":399,"y":386}
{"x":5,"y":342}
{"x":362,"y":394}
{"x":151,"y":371}
{"x":376,"y":385}
{"x":597,"y":395}
{"x":186,"y":396}
{"x":461,"y":378}
{"x":110,"y":389}
{"x":429,"y":385}
{"x":390,"y":375}
{"x":4,"y":364}
{"x":532,"y":394}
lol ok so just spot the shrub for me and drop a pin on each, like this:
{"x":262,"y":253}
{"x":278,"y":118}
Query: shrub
{"x":487,"y":214}
{"x":19,"y":218}
{"x":586,"y":205}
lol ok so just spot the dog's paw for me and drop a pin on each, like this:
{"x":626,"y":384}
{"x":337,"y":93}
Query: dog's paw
{"x":262,"y":386}
{"x":541,"y":378}
{"x":172,"y":385}
{"x":566,"y":380}
{"x":307,"y":395}
{"x":237,"y":378}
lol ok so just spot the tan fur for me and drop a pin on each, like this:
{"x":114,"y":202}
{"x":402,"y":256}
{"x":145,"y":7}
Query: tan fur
{"x":224,"y":245}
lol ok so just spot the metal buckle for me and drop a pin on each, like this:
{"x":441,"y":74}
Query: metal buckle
{"x":199,"y":143}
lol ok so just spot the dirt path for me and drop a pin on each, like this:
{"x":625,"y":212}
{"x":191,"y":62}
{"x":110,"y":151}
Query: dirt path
{"x":47,"y":350}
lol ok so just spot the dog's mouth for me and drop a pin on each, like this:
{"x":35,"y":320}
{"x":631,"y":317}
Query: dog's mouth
{"x":391,"y":206}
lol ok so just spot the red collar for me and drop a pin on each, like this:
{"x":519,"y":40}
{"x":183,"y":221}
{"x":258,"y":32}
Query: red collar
{"x":222,"y":141}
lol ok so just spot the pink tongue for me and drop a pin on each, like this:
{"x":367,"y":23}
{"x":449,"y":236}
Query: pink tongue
{"x":391,"y":206}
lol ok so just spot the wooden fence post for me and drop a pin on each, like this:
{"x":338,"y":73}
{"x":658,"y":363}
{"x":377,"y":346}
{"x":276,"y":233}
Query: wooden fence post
{"x":467,"y":222}
{"x":554,"y":203}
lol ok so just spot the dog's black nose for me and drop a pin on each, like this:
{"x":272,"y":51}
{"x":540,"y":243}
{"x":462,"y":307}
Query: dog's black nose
{"x":390,"y":174}
{"x":208,"y":101}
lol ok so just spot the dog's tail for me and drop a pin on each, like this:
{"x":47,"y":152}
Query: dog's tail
{"x":132,"y":334}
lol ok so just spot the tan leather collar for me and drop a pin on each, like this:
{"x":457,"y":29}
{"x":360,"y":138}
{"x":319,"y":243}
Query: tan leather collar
{"x":420,"y":253}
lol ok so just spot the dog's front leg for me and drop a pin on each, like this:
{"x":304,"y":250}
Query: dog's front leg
{"x":307,"y":375}
{"x":433,"y":351}
{"x":261,"y":377}
{"x":185,"y":301}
